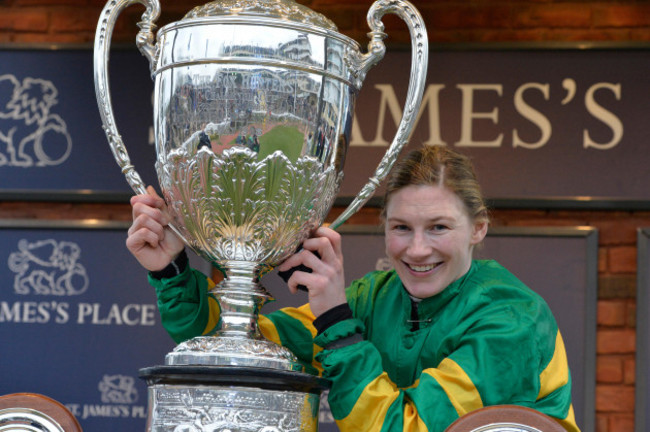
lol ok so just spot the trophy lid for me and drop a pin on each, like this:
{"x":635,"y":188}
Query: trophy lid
{"x":286,"y":10}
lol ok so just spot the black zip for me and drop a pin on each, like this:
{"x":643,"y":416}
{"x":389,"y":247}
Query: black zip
{"x":415,"y":322}
{"x":415,"y":318}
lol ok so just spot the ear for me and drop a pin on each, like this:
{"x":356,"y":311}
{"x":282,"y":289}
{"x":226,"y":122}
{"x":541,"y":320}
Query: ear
{"x":480,"y":230}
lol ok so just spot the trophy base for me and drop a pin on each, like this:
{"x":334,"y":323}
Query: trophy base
{"x":233,"y":351}
{"x":236,"y":399}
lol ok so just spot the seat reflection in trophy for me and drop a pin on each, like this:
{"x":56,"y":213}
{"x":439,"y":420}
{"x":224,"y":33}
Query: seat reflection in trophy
{"x":253,"y":108}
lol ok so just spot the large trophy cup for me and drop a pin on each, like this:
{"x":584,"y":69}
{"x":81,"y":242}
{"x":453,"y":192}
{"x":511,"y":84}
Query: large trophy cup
{"x":253,"y":110}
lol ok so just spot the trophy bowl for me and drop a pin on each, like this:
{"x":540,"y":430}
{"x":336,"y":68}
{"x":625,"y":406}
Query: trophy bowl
{"x":253,"y":109}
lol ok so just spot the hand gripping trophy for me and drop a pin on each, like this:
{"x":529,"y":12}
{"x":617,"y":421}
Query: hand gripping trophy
{"x":253,"y":107}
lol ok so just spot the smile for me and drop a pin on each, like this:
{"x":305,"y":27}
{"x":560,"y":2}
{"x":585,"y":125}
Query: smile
{"x":423,"y":268}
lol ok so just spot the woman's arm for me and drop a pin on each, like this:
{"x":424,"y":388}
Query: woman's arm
{"x":185,"y":305}
{"x":483,"y":362}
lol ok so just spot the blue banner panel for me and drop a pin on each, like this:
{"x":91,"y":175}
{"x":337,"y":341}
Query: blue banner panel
{"x":561,"y":264}
{"x":78,"y":319}
{"x":538,"y":123}
{"x":51,"y":136}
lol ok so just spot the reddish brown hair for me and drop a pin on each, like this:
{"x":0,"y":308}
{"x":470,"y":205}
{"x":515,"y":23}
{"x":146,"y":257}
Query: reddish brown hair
{"x":439,"y":166}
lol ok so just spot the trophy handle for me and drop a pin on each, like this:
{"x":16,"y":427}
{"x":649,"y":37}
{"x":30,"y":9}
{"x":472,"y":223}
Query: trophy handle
{"x":361,"y":64}
{"x":144,"y":42}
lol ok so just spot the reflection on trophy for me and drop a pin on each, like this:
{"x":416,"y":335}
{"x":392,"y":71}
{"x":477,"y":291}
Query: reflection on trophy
{"x":253,"y":109}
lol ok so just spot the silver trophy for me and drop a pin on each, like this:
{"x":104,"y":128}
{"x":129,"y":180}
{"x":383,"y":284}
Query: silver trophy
{"x":253,"y":108}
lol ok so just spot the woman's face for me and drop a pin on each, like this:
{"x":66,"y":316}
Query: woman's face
{"x":429,"y":238}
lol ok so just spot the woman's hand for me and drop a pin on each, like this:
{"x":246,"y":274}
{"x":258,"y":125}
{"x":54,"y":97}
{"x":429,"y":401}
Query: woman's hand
{"x":150,"y":239}
{"x":326,"y":282}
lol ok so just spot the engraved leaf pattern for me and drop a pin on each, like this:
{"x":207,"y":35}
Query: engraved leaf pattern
{"x":233,"y":207}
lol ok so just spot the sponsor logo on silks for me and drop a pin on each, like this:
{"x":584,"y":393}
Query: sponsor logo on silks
{"x":118,"y":389}
{"x":30,"y":135}
{"x":48,"y":267}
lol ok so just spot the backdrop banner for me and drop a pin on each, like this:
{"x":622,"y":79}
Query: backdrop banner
{"x":51,"y":137}
{"x":78,"y":319}
{"x":538,"y":123}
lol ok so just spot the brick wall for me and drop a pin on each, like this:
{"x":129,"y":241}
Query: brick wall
{"x":449,"y":21}
{"x":73,"y":21}
{"x":615,"y":364}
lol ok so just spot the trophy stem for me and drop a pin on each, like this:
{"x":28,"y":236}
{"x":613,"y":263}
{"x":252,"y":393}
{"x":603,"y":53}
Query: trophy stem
{"x":238,"y":340}
{"x":240,"y":298}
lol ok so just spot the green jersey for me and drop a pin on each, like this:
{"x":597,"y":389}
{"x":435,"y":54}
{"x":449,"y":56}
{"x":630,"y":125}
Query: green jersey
{"x":485,"y":340}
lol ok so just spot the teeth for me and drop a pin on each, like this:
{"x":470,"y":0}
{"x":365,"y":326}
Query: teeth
{"x":423,"y":268}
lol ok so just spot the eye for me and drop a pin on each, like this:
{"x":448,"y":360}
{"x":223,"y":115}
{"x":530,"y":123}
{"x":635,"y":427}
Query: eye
{"x":439,"y":228}
{"x":400,"y":227}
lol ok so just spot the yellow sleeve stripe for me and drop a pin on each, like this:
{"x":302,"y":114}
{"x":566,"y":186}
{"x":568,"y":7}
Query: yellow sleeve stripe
{"x":412,"y":421}
{"x":569,"y":422}
{"x":376,"y":398}
{"x":304,"y":315}
{"x":556,"y":373}
{"x":268,"y":329}
{"x":213,"y":304}
{"x":460,"y":389}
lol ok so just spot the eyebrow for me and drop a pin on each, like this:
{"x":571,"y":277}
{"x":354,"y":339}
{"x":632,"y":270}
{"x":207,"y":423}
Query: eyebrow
{"x":432,"y":220}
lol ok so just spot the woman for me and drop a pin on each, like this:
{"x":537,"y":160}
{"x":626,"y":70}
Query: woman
{"x":409,"y":349}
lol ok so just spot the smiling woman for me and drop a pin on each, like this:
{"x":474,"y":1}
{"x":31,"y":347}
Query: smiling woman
{"x":413,"y":348}
{"x":430,"y":238}
{"x":434,"y":216}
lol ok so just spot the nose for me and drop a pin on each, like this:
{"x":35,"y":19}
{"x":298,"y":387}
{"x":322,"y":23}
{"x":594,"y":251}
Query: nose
{"x":419,"y":246}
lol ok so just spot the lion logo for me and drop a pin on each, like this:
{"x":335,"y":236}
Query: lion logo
{"x":48,"y":267}
{"x":30,"y":135}
{"x":118,"y":389}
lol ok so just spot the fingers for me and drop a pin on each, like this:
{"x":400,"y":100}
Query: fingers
{"x":150,"y":222}
{"x":150,"y":199}
{"x":141,"y":238}
{"x":149,"y":219}
{"x":152,"y":191}
{"x":322,"y":255}
{"x":327,"y":243}
{"x":315,"y":281}
{"x":150,"y":239}
{"x":150,"y":205}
